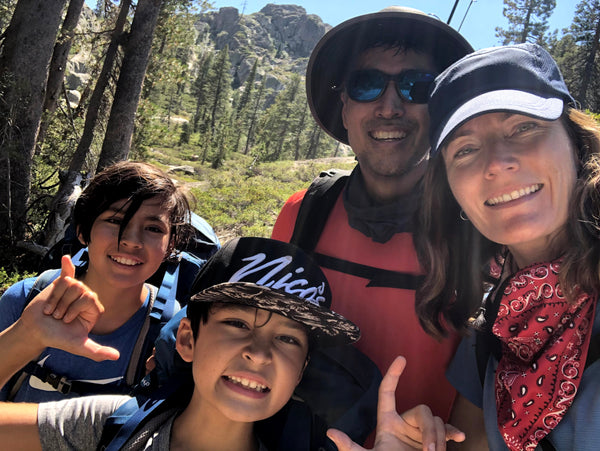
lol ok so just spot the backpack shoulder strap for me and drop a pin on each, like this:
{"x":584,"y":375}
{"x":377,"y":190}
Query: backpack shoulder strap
{"x":593,"y":350}
{"x":316,"y":207}
{"x":486,"y":343}
{"x":136,"y":412}
{"x":161,"y":308}
{"x":41,"y":282}
{"x":314,"y":211}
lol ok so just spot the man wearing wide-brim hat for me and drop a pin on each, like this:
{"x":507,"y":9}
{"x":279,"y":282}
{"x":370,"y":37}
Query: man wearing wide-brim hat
{"x":367,"y":85}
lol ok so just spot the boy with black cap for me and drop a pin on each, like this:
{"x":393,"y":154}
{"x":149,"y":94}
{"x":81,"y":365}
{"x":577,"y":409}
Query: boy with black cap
{"x":261,"y":306}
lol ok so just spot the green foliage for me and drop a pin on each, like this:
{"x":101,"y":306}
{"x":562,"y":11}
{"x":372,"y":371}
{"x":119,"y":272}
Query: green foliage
{"x":9,"y":278}
{"x":6,"y":10}
{"x":527,"y":21}
{"x":243,"y":197}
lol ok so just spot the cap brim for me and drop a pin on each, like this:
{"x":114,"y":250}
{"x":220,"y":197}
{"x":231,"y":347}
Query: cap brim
{"x":327,"y":327}
{"x":333,"y":54}
{"x":507,"y":100}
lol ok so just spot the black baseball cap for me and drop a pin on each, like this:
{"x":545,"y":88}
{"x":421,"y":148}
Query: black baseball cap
{"x":333,"y":56}
{"x":520,"y":78}
{"x":278,"y":277}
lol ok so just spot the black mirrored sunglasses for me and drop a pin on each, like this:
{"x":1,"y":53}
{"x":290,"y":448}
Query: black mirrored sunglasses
{"x":370,"y":84}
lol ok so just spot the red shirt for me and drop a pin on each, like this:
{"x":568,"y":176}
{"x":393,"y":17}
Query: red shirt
{"x":386,"y":316}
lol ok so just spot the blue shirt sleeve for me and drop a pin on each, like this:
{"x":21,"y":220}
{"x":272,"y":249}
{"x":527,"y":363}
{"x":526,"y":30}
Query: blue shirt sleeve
{"x":463,"y":372}
{"x":12,"y":302}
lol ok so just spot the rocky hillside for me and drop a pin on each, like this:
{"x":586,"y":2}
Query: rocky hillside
{"x":282,"y":36}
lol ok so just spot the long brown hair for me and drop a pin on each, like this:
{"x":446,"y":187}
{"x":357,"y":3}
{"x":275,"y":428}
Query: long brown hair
{"x":453,"y":253}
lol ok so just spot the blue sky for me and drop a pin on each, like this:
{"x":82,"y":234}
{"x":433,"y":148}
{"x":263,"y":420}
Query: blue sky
{"x":478,"y":27}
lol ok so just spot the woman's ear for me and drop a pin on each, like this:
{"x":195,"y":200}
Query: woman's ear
{"x":185,"y":340}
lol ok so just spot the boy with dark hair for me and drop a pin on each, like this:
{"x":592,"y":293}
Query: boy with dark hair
{"x":130,"y":217}
{"x":261,"y":305}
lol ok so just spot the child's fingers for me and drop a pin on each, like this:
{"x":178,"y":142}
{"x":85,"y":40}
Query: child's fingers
{"x":86,"y":307}
{"x":60,"y":285}
{"x":342,"y":441}
{"x":66,"y":292}
{"x":94,"y":351}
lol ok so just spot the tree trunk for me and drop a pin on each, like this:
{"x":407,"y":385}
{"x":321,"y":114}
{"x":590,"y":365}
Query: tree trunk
{"x":119,"y":129}
{"x":253,"y":118}
{"x":299,"y":132}
{"x":526,"y":25}
{"x":91,"y":116}
{"x":60,"y":203}
{"x":589,"y":67}
{"x":24,"y":62}
{"x":58,"y":64}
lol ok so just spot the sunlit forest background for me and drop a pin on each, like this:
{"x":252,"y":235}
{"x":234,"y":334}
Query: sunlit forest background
{"x":215,"y":97}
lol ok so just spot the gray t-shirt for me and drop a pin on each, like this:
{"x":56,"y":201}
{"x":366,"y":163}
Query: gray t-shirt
{"x":76,"y":425}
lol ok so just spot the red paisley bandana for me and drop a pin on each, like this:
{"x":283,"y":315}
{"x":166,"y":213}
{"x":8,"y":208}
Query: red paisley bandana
{"x":545,"y":342}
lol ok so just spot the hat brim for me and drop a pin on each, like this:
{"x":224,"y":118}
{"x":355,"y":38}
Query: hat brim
{"x":327,"y":327}
{"x":331,"y":59}
{"x":505,"y":100}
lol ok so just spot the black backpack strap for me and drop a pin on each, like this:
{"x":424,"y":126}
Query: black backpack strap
{"x":314,"y":211}
{"x":320,"y":197}
{"x":377,"y":277}
{"x":486,"y":342}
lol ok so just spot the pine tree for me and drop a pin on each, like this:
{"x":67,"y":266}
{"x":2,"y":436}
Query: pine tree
{"x":586,"y":31}
{"x":24,"y":59}
{"x":527,"y":21}
{"x":243,"y":106}
{"x":220,"y":82}
{"x":200,"y":88}
{"x":279,"y":121}
{"x":119,"y":129}
{"x":254,"y":116}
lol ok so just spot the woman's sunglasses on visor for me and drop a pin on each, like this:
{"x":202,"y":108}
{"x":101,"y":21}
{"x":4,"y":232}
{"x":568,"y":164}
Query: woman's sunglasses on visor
{"x":370,"y":84}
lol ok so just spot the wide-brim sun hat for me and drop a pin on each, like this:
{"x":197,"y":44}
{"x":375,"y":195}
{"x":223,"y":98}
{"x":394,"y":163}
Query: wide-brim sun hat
{"x":278,"y":277}
{"x":520,"y":78}
{"x":333,"y":55}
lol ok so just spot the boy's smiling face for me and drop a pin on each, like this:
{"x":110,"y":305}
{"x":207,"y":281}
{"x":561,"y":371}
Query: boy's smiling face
{"x":143,"y":246}
{"x":246,"y":361}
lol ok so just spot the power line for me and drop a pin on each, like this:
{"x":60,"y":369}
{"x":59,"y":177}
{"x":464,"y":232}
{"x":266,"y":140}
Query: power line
{"x":465,"y":16}
{"x":452,"y":12}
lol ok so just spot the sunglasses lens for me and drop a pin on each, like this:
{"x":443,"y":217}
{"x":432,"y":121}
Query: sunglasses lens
{"x":365,"y":85}
{"x":414,"y":86}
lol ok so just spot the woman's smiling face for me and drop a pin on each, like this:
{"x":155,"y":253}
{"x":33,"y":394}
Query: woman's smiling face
{"x":513,"y":176}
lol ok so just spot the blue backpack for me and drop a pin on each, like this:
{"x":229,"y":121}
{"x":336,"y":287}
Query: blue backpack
{"x":174,"y":279}
{"x":293,"y":428}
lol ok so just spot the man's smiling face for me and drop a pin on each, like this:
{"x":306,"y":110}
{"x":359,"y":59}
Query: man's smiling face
{"x":389,"y":136}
